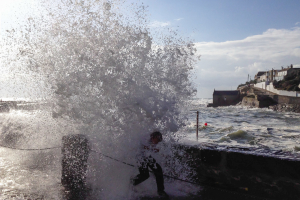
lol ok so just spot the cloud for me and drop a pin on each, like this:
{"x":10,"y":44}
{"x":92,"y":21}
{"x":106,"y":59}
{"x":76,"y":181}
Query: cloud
{"x":159,"y":24}
{"x":179,"y":19}
{"x":227,"y":64}
{"x":297,"y":23}
{"x":272,"y":43}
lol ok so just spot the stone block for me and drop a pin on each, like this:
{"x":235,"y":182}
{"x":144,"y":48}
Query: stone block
{"x":75,"y":152}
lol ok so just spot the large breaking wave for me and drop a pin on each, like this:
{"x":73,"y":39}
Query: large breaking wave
{"x":103,"y":68}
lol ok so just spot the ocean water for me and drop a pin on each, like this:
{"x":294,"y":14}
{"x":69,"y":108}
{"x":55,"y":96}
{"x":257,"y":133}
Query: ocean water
{"x":240,"y":126}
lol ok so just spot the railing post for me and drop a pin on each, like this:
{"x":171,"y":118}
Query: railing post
{"x":197,"y":123}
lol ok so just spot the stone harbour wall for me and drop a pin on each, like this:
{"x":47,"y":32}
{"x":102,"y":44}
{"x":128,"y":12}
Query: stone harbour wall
{"x":285,"y":99}
{"x":271,"y":175}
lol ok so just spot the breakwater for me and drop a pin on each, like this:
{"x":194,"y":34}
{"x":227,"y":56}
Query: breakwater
{"x":5,"y":106}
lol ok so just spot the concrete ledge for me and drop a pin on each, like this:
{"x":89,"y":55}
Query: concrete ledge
{"x":259,"y":172}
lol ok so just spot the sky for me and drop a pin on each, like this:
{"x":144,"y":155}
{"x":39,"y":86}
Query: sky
{"x":234,"y":38}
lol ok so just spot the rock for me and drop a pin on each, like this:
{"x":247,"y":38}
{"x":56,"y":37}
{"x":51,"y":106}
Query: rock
{"x":258,"y":101}
{"x":286,"y":108}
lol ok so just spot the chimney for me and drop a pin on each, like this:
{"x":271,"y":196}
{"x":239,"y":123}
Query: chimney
{"x":281,"y":67}
{"x":272,"y":74}
{"x":291,"y":65}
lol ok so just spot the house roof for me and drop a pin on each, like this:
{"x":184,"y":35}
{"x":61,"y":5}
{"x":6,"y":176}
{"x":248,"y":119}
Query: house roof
{"x":282,"y":70}
{"x":260,"y":73}
{"x":286,"y":69}
{"x":226,"y":92}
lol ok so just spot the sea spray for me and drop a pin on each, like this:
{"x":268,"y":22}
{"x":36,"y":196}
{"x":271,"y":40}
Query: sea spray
{"x":103,"y":70}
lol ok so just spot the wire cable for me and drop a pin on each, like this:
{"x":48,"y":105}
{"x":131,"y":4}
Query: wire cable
{"x":113,"y":158}
{"x":21,"y":149}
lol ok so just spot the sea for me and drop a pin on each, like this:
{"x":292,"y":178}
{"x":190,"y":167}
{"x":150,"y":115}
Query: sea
{"x":30,"y":145}
{"x":246,"y":127}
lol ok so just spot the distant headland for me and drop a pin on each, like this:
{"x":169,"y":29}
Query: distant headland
{"x":276,"y":89}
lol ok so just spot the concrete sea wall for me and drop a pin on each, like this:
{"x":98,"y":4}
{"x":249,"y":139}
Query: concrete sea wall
{"x":285,"y":99}
{"x":257,"y":172}
{"x":269,"y":87}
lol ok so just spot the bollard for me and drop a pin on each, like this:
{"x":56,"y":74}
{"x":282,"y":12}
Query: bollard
{"x":75,"y":151}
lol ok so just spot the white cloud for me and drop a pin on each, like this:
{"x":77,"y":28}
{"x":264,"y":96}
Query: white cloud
{"x":224,"y":65}
{"x":297,"y":23}
{"x":179,"y":19}
{"x":159,"y":24}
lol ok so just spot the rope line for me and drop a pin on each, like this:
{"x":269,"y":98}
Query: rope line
{"x":175,"y":178}
{"x":21,"y":149}
{"x":114,"y":158}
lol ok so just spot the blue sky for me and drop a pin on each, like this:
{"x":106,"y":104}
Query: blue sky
{"x":222,"y":20}
{"x":234,"y":37}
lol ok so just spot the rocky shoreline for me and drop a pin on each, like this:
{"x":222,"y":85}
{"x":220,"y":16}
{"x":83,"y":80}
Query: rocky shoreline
{"x":286,"y":108}
{"x":254,"y":101}
{"x":283,"y":107}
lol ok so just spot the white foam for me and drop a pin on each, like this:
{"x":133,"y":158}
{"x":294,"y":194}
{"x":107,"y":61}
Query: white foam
{"x":103,"y":71}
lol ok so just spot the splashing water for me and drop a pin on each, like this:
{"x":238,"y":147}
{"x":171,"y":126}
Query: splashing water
{"x":101,"y":68}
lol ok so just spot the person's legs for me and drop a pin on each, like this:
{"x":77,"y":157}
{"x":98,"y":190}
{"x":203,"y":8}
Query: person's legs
{"x":156,"y":168}
{"x":144,"y":174}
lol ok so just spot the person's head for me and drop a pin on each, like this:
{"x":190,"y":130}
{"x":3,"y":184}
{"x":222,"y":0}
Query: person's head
{"x":156,"y":137}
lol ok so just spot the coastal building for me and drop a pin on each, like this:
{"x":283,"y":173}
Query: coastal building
{"x":272,"y":75}
{"x":260,"y":76}
{"x":275,"y":74}
{"x":284,"y":71}
{"x":226,"y":97}
{"x":289,"y":88}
